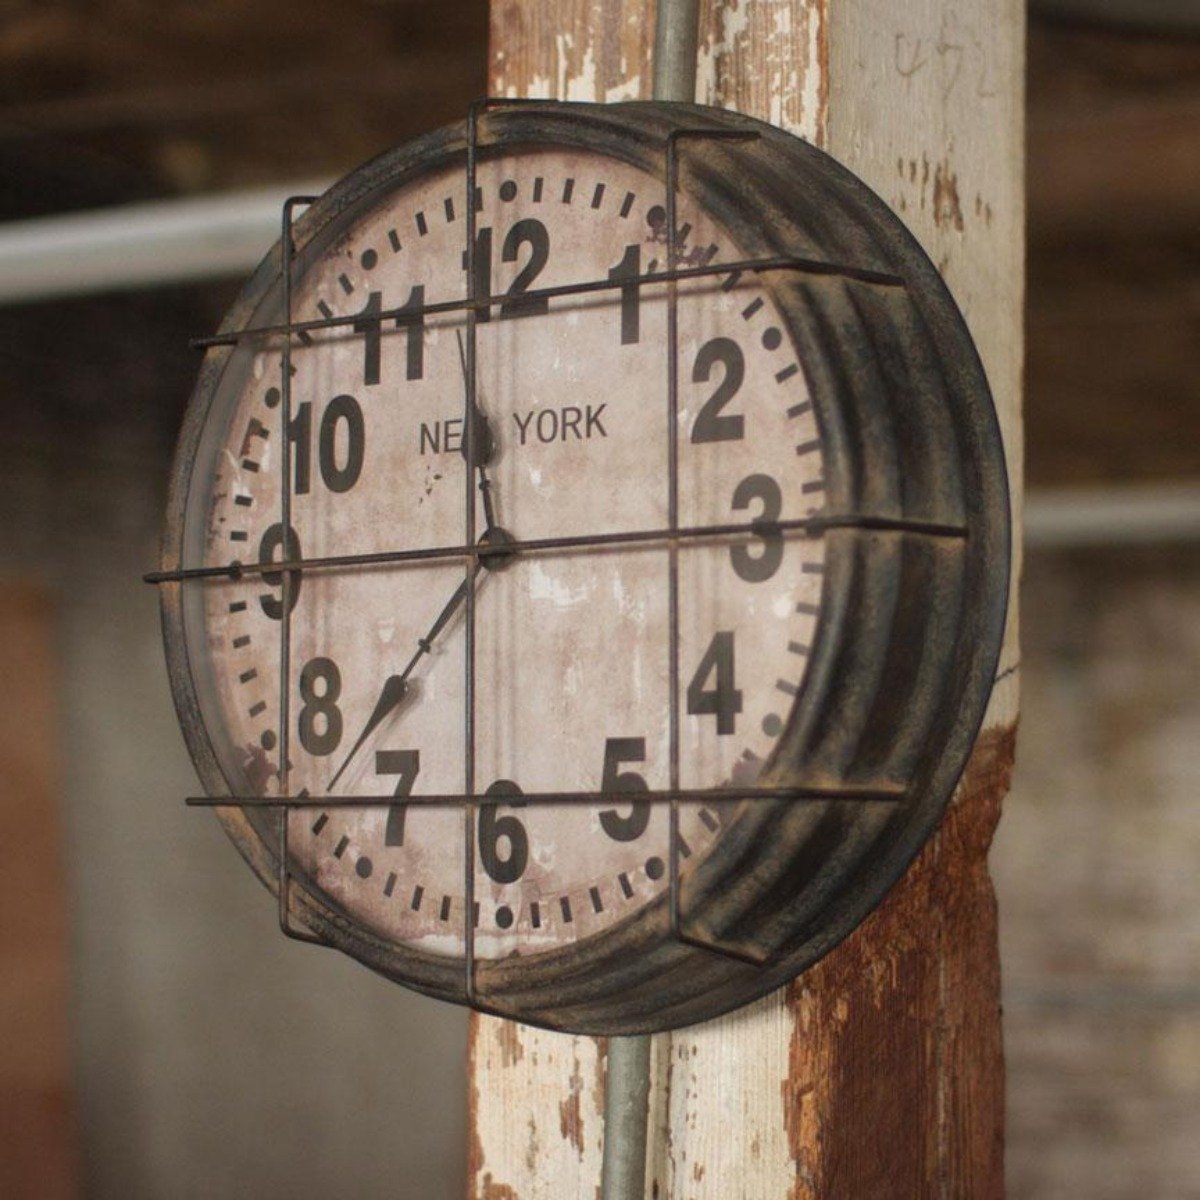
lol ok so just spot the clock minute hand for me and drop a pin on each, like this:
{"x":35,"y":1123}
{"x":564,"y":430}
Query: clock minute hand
{"x":479,"y":446}
{"x":395,"y":687}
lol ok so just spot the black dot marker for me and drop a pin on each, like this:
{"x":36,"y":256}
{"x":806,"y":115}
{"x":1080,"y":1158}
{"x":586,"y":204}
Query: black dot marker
{"x":508,"y":191}
{"x":772,"y":725}
{"x":504,"y":917}
{"x":368,"y":259}
{"x":772,"y":338}
{"x":655,"y":868}
{"x":364,"y":867}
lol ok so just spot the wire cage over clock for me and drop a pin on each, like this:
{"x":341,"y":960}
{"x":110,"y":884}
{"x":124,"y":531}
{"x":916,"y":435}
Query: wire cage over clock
{"x":911,"y":512}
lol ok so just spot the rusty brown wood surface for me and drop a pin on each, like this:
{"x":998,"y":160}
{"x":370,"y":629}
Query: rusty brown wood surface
{"x":880,"y":1072}
{"x":896,"y":1078}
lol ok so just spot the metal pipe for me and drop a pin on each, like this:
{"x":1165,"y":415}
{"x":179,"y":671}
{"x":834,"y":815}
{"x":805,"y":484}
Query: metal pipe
{"x":676,"y":36}
{"x":140,"y":245}
{"x":626,"y":1113}
{"x":1116,"y":514}
{"x":627,"y":1076}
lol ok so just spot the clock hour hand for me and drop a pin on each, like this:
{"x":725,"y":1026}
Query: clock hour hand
{"x":395,"y":687}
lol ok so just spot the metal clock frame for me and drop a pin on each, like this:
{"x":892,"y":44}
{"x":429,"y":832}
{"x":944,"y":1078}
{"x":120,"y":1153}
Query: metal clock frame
{"x":914,"y":594}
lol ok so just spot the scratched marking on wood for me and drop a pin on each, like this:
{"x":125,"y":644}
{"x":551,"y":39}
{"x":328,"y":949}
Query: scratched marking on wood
{"x":879,"y":1074}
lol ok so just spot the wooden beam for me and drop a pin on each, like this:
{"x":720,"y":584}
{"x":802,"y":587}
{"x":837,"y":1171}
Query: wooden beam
{"x":879,"y":1073}
{"x":38,"y":1155}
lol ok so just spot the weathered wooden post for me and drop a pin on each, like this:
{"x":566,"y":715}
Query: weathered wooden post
{"x":879,"y":1073}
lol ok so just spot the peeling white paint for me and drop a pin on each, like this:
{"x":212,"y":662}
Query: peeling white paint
{"x":545,"y":586}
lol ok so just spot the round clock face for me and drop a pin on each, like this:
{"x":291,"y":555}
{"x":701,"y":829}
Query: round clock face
{"x":582,"y":622}
{"x":572,"y":672}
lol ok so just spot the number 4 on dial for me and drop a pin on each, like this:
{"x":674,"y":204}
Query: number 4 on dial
{"x":722,"y":700}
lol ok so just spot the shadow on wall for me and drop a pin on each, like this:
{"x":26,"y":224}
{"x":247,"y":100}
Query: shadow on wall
{"x":212,"y":1056}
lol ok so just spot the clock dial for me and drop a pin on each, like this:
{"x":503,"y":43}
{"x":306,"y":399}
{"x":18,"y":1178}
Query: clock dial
{"x":572,"y":644}
{"x":600,"y":658}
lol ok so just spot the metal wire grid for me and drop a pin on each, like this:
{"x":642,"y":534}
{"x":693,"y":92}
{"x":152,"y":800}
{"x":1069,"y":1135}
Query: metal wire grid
{"x":472,"y":553}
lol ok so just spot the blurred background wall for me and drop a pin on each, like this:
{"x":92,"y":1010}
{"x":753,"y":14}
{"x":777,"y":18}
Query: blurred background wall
{"x":161,"y":1038}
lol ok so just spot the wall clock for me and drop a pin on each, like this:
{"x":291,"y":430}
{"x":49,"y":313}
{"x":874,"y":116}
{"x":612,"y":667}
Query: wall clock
{"x":587,"y":561}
